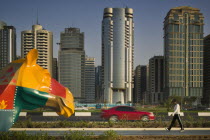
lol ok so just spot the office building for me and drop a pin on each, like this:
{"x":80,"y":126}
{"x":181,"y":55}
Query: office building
{"x":55,"y":69}
{"x":98,"y":85}
{"x":183,"y":52}
{"x":140,"y":84}
{"x":117,"y":54}
{"x":156,"y":67}
{"x":71,"y":62}
{"x":90,"y":79}
{"x":206,"y":92}
{"x":42,"y":40}
{"x":7,"y":44}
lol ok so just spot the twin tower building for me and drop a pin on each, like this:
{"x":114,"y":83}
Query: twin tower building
{"x":117,"y":54}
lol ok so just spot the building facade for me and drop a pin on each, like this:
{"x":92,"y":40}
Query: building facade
{"x":71,"y":62}
{"x":7,"y":44}
{"x":55,"y":69}
{"x":206,"y":95}
{"x":156,"y":74}
{"x":90,"y":80}
{"x":117,"y":54}
{"x":140,"y":84}
{"x":137,"y":84}
{"x":183,"y":52}
{"x":42,"y":40}
{"x":98,"y":85}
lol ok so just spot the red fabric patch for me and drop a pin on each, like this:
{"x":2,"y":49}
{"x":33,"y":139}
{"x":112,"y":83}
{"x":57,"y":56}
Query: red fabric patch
{"x":5,"y":80}
{"x":12,"y":74}
{"x":7,"y":93}
{"x":57,"y":88}
{"x":2,"y":77}
{"x":10,"y":69}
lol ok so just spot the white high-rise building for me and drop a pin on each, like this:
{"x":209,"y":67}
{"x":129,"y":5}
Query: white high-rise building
{"x":117,"y":54}
{"x":42,"y":40}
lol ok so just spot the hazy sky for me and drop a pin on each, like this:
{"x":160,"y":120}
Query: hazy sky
{"x":55,"y":15}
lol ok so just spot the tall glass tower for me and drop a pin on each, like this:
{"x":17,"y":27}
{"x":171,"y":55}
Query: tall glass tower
{"x":71,"y":62}
{"x":183,"y":52}
{"x":117,"y":54}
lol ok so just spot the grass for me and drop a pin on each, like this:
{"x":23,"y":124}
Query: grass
{"x":107,"y":135}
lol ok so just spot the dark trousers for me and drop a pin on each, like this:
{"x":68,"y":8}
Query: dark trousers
{"x":176,"y":117}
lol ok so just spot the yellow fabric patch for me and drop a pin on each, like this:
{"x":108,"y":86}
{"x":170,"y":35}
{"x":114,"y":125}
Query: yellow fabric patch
{"x":3,"y":104}
{"x":31,"y":75}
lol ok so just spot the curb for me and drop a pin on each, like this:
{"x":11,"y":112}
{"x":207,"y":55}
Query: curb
{"x":99,"y":129}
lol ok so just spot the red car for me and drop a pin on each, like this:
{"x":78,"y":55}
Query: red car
{"x":126,"y":113}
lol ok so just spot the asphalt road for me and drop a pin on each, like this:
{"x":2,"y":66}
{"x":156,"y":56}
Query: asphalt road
{"x":120,"y":131}
{"x":96,"y":117}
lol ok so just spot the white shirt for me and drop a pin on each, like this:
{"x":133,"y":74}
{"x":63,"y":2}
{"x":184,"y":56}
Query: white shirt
{"x":176,"y":109}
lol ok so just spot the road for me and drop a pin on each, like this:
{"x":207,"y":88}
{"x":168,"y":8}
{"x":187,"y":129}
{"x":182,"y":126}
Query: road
{"x":96,"y":117}
{"x":120,"y":131}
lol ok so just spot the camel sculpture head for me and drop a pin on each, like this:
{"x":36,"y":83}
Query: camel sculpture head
{"x":26,"y":85}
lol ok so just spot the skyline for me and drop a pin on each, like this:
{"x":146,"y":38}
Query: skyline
{"x":148,"y":21}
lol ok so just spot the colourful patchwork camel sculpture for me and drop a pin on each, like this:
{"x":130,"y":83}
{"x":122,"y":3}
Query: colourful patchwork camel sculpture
{"x":26,"y":85}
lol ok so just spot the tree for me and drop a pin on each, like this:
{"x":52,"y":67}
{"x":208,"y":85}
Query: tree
{"x":167,"y":103}
{"x":119,"y":102}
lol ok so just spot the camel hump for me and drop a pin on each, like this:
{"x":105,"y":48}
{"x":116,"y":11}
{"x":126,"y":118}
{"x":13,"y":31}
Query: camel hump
{"x":32,"y":57}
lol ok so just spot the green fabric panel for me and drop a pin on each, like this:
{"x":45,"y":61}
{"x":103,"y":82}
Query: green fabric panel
{"x":27,"y":98}
{"x":30,"y":98}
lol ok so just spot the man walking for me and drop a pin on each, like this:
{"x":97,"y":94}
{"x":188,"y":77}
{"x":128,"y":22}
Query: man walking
{"x":176,"y":115}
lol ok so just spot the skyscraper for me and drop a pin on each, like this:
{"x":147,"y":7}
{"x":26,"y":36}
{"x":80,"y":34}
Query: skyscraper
{"x":71,"y":62}
{"x":98,"y":85}
{"x":55,"y":69}
{"x":117,"y":54}
{"x":140,"y":84}
{"x":7,"y":44}
{"x":156,"y":67}
{"x":183,"y":52}
{"x":90,"y":79}
{"x":206,"y":92}
{"x":42,"y":40}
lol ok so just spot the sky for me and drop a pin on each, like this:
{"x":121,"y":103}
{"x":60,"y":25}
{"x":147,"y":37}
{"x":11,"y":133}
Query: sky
{"x":56,"y":15}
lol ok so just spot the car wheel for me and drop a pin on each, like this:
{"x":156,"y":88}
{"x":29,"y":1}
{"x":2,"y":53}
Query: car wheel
{"x":113,"y":118}
{"x":145,"y":118}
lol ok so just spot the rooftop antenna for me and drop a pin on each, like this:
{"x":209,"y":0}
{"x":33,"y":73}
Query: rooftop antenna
{"x":37,"y":18}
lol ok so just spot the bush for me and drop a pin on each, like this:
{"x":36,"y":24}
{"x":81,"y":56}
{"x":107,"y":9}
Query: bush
{"x":119,"y":124}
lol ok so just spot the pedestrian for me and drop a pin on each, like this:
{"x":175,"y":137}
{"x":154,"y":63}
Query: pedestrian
{"x":176,"y":116}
